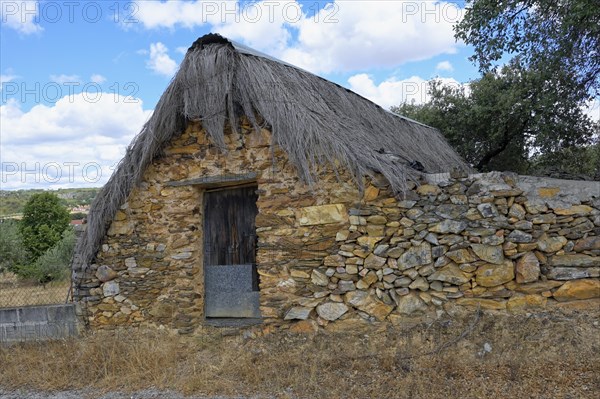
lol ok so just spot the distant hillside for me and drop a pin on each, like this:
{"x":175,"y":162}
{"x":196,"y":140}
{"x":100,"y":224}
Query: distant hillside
{"x":76,"y":199}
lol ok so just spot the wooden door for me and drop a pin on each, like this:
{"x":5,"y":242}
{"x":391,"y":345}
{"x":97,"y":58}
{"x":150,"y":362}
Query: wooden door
{"x":231,"y":281}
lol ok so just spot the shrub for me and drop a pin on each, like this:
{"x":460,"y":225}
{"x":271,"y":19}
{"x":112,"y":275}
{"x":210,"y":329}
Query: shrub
{"x":53,"y":264}
{"x":12,"y":253}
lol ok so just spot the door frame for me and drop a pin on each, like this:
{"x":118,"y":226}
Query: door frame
{"x":214,"y":186}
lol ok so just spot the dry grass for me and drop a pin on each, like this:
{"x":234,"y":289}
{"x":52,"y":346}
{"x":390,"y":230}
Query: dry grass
{"x":16,"y":292}
{"x":544,"y":356}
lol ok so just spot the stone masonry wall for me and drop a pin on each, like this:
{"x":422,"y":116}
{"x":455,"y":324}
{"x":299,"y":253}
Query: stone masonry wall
{"x":331,"y":256}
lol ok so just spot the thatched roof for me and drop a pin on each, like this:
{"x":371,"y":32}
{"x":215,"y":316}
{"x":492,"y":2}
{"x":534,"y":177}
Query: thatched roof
{"x":312,"y":119}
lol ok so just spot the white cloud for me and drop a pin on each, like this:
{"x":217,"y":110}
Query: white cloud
{"x":592,"y":109}
{"x":169,"y":14}
{"x":444,"y":66}
{"x":97,"y":78}
{"x":182,"y":50}
{"x":5,"y":78}
{"x":70,"y":136}
{"x":380,"y":34}
{"x":392,"y":91}
{"x":62,"y":79}
{"x":20,"y":16}
{"x":346,"y":35}
{"x":263,"y":25}
{"x":159,"y":60}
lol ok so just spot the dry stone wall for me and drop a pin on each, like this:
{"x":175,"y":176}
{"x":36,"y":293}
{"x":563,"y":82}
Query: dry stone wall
{"x":333,"y":256}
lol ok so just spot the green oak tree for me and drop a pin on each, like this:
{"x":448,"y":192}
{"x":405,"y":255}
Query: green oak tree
{"x":44,"y":221}
{"x":548,"y":35}
{"x":506,"y":118}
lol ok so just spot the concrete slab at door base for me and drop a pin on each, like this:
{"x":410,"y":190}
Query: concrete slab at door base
{"x":232,"y":322}
{"x":37,"y":323}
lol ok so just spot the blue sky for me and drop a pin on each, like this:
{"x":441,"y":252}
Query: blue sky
{"x":79,"y":78}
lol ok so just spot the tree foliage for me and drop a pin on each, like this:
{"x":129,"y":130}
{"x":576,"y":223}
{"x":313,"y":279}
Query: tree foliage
{"x":54,"y":263}
{"x":503,"y":119}
{"x":43,"y":223}
{"x":12,"y":253}
{"x":549,"y":36}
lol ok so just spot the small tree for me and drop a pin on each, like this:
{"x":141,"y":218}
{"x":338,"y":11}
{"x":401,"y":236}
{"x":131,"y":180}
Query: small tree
{"x":44,"y":221}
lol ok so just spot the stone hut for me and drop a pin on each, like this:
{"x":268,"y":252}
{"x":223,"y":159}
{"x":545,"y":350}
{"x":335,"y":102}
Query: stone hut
{"x":258,"y":192}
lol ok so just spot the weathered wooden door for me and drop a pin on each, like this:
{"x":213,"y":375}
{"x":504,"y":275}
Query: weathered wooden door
{"x":230,"y":278}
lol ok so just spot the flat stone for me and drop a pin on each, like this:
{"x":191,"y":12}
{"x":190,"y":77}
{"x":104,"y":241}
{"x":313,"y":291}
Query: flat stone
{"x":462,"y":255}
{"x":487,"y":210}
{"x":331,"y":310}
{"x":523,"y":302}
{"x":395,"y":252}
{"x":334,"y":261}
{"x":432,"y":239}
{"x":377,"y":220}
{"x":591,"y":243}
{"x":574,"y":210}
{"x":449,"y":211}
{"x":534,"y":207}
{"x":110,"y":288}
{"x":538,"y":287}
{"x":299,"y":273}
{"x":577,"y":290}
{"x":369,"y":304}
{"x":298,"y":313}
{"x":374,"y":262}
{"x":545,"y":218}
{"x":346,"y":285}
{"x":448,"y":226}
{"x":342,"y":235}
{"x":411,"y":304}
{"x":428,"y":189}
{"x":519,"y":236}
{"x":488,"y":304}
{"x":416,"y":256}
{"x":489,"y":253}
{"x":371,"y":193}
{"x":517,"y":211}
{"x":575,"y":260}
{"x":523,"y":225}
{"x":450,"y":273}
{"x":182,"y":255}
{"x":508,"y":192}
{"x":381,"y":250}
{"x":319,"y":278}
{"x":491,"y":275}
{"x":368,"y":242}
{"x":572,"y":273}
{"x":551,"y":244}
{"x":322,"y":214}
{"x":419,"y":284}
{"x":105,"y":273}
{"x":527,"y":268}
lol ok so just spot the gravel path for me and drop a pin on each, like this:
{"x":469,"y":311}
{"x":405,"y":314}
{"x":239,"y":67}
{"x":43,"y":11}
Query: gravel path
{"x":146,"y":394}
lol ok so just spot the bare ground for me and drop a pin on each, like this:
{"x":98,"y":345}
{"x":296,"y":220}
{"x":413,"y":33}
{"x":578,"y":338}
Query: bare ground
{"x":546,"y":355}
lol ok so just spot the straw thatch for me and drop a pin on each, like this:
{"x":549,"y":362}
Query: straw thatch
{"x":313,"y":120}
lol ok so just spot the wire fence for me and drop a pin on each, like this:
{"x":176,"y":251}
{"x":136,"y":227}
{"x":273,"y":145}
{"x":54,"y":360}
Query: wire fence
{"x":17,"y":292}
